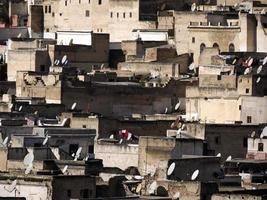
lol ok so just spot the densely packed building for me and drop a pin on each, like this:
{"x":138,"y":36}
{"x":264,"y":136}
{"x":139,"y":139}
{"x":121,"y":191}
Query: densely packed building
{"x":133,"y":99}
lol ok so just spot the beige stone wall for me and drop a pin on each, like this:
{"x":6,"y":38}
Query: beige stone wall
{"x":152,"y":151}
{"x":235,"y":197}
{"x":244,"y":83}
{"x":3,"y":157}
{"x":40,"y":86}
{"x":114,"y":155}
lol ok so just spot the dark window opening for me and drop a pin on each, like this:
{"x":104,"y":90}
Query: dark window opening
{"x":231,"y":47}
{"x":37,"y":145}
{"x":260,"y":146}
{"x":118,"y":15}
{"x":202,"y":47}
{"x":249,"y":119}
{"x":66,"y":3}
{"x":247,"y":90}
{"x":91,"y":149}
{"x":45,"y":9}
{"x":240,"y":107}
{"x":84,"y":126}
{"x":219,"y":77}
{"x":130,"y":15}
{"x":49,"y":9}
{"x":73,"y":148}
{"x":123,"y":15}
{"x":218,"y":140}
{"x":42,"y":67}
{"x":111,"y":14}
{"x":245,"y":142}
{"x":87,"y":13}
{"x":193,"y":39}
{"x":99,"y":2}
{"x":69,"y":193}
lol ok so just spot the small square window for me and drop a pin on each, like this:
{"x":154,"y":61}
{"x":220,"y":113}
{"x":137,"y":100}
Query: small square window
{"x":99,"y":2}
{"x":79,"y":1}
{"x":193,"y":39}
{"x":247,"y":90}
{"x":219,"y":77}
{"x":87,"y":13}
{"x":249,"y":119}
{"x":260,"y":146}
{"x":53,"y":14}
{"x":240,"y":107}
{"x":89,"y":1}
{"x":84,"y":126}
{"x":69,"y":193}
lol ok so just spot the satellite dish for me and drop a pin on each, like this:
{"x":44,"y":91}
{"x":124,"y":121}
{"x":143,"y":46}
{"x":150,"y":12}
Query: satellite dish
{"x":264,"y":132}
{"x":73,"y":106}
{"x":219,"y":155}
{"x":5,"y":141}
{"x":152,"y":187}
{"x":64,"y":58}
{"x":65,"y":169}
{"x":234,"y":61}
{"x":11,"y":106}
{"x":57,"y":63}
{"x":264,"y":61}
{"x":128,"y":177}
{"x":78,"y":153}
{"x":183,"y":126}
{"x":259,"y":69}
{"x":177,"y":105}
{"x":195,"y":175}
{"x":229,"y":158}
{"x":129,"y":136}
{"x":171,"y":169}
{"x":247,"y":70}
{"x":28,"y":159}
{"x":28,"y":169}
{"x":19,"y":35}
{"x":191,"y":66}
{"x":138,"y":188}
{"x":111,"y":136}
{"x":178,"y":132}
{"x":258,"y":80}
{"x":121,"y":140}
{"x":193,"y":7}
{"x":253,"y":134}
{"x":166,"y":110}
{"x":137,"y":177}
{"x":20,"y":108}
{"x":263,"y":11}
{"x":250,"y":61}
{"x":45,"y":140}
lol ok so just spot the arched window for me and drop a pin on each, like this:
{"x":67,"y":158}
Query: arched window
{"x":215,"y":45}
{"x":231,"y":47}
{"x":202,"y":47}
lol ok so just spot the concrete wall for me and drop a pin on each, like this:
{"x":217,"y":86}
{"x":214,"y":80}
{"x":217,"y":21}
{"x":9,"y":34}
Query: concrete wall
{"x":73,"y":184}
{"x":28,"y":189}
{"x":235,"y":197}
{"x":116,"y":155}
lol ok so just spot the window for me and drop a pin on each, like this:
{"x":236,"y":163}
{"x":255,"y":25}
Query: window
{"x":123,"y":15}
{"x":249,"y":119}
{"x":42,"y":68}
{"x":79,"y":1}
{"x":99,"y":2}
{"x":111,"y":14}
{"x":45,"y":9}
{"x":240,"y":107}
{"x":215,"y":45}
{"x":118,"y":15}
{"x":130,"y":14}
{"x":91,"y":149}
{"x":89,"y":1}
{"x":260,"y":146}
{"x":87,"y":13}
{"x":53,"y":14}
{"x":47,"y":30}
{"x":247,"y":90}
{"x":84,"y":193}
{"x":66,"y":3}
{"x":219,"y":77}
{"x":84,"y":126}
{"x":73,"y":148}
{"x":245,"y":142}
{"x":49,"y":9}
{"x":202,"y":47}
{"x":193,"y":39}
{"x":231,"y":47}
{"x":218,"y":139}
{"x":69,"y":193}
